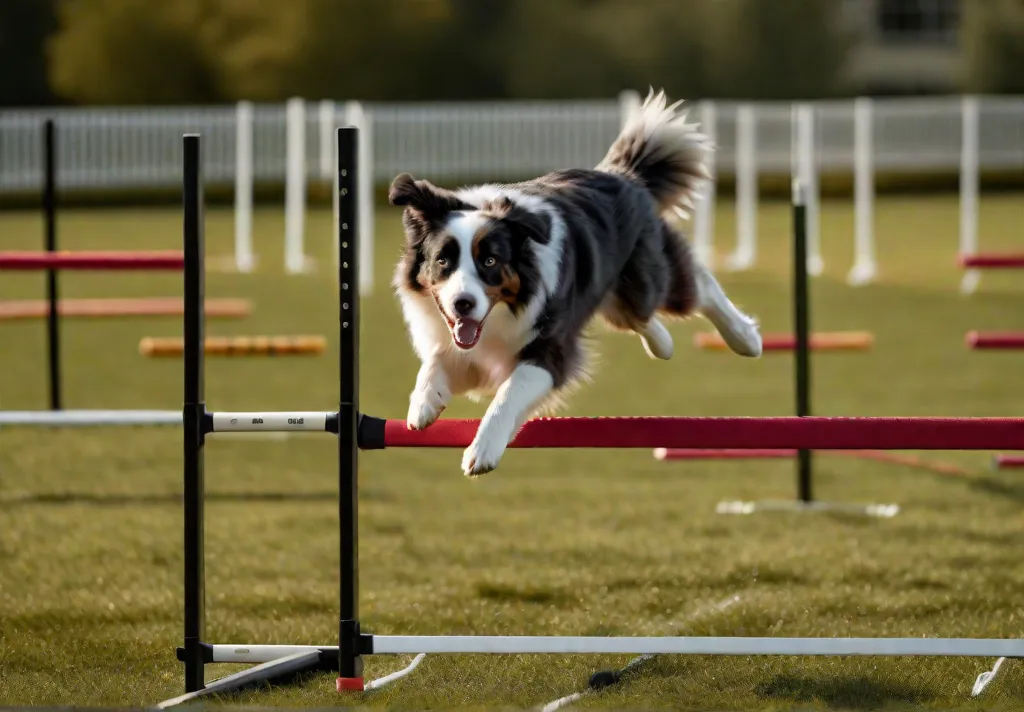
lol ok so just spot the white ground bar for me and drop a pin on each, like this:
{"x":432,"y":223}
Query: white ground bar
{"x":84,"y":418}
{"x":401,"y":644}
{"x":270,"y":421}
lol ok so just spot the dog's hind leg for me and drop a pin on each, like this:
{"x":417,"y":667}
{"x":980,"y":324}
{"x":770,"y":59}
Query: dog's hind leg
{"x":638,"y":295}
{"x":739,"y":331}
{"x":694,"y":289}
{"x":653,"y":335}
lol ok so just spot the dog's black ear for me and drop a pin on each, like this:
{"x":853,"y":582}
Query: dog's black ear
{"x":524,"y":224}
{"x":423,"y":196}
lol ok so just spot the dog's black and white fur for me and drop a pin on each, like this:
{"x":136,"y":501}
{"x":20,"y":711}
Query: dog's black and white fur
{"x":498,"y":282}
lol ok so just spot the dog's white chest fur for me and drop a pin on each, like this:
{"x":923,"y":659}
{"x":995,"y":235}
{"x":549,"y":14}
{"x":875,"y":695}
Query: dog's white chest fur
{"x":479,"y":371}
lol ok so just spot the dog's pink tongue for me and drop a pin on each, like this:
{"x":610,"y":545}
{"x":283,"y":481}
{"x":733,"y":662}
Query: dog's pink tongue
{"x":466,"y":332}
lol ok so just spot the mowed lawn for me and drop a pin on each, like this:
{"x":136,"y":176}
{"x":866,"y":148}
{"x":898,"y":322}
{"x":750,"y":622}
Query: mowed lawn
{"x":553,"y":542}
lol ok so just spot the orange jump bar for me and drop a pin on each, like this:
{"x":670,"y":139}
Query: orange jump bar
{"x":238,"y":346}
{"x":821,"y":341}
{"x":150,"y":306}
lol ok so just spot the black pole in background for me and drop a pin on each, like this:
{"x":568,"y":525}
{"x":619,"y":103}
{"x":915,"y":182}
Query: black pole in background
{"x":194,"y":410}
{"x":350,"y":664}
{"x":801,"y":318}
{"x":50,"y":225}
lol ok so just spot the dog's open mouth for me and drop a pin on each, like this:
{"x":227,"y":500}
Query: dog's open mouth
{"x":465,"y":332}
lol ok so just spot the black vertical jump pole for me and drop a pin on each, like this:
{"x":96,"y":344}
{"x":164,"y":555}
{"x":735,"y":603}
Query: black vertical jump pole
{"x":50,"y":227}
{"x":350,"y":663}
{"x":801,"y":318}
{"x":193,"y":413}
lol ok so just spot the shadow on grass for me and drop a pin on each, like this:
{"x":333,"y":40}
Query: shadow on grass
{"x":1013,"y":491}
{"x":857,"y":692}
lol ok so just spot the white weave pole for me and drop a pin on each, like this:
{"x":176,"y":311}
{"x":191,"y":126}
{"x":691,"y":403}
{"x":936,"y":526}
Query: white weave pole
{"x":245,"y":259}
{"x":629,"y":106}
{"x":806,"y":170}
{"x":969,"y":189}
{"x":704,"y":212}
{"x":295,"y":259}
{"x":865,"y":264}
{"x":327,"y":118}
{"x":745,"y":254}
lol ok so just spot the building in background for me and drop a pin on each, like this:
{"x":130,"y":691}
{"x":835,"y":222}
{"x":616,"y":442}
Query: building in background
{"x":905,"y":46}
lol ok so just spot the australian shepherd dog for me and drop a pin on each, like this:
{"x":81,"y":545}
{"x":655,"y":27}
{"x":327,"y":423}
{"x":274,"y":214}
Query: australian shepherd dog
{"x":497,"y":283}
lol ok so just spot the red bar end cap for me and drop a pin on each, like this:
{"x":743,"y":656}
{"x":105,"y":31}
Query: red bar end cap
{"x":350,"y":683}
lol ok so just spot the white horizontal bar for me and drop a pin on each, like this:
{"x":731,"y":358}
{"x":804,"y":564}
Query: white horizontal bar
{"x":526,"y":644}
{"x":972,"y":647}
{"x":261,"y":653}
{"x":81,"y":418}
{"x":270,"y":421}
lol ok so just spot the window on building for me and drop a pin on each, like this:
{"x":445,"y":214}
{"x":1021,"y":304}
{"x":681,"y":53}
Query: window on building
{"x":918,"y":20}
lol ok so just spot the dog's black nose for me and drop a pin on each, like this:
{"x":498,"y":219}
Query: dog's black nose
{"x":464,"y":305}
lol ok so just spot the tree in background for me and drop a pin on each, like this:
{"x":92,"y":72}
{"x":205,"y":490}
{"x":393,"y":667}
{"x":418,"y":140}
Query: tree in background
{"x":993,"y":41}
{"x":132,"y":51}
{"x":24,"y":27}
{"x":781,"y":49}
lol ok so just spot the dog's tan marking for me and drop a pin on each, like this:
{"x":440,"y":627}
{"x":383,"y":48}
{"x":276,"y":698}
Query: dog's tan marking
{"x":508,"y":289}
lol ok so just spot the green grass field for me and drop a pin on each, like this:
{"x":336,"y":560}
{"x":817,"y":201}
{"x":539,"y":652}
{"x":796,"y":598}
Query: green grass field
{"x":553,"y":542}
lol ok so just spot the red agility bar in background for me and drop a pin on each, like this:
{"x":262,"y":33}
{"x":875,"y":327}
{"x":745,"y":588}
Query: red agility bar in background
{"x":993,"y":261}
{"x":1007,"y":462}
{"x":812,"y":433}
{"x":673,"y":453}
{"x":24,"y":260}
{"x":1008,"y":340}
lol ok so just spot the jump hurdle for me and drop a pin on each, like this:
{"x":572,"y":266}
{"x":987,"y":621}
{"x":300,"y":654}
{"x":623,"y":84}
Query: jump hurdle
{"x":238,"y":346}
{"x":1005,"y":340}
{"x":106,"y":308}
{"x":801,"y":342}
{"x":356,"y":431}
{"x":775,"y":343}
{"x":992,"y":261}
{"x":92,"y":261}
{"x":1008,"y":462}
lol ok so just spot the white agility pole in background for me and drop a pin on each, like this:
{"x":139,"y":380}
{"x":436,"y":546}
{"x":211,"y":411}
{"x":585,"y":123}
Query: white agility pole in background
{"x":703,"y":213}
{"x":629,"y":106}
{"x":295,"y":259}
{"x":969,"y":189}
{"x":745,"y":254}
{"x":865,"y":264}
{"x":245,"y":259}
{"x":806,"y":170}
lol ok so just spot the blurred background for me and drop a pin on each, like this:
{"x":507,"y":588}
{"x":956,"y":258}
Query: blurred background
{"x":138,"y":52}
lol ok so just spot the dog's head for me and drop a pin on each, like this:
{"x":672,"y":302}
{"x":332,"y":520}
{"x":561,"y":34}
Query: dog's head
{"x":470,"y":259}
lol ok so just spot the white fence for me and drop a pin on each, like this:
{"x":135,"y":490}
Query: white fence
{"x":139,"y":147}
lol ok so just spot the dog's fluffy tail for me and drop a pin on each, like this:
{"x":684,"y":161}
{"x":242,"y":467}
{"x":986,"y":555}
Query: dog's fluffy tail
{"x":658,"y":148}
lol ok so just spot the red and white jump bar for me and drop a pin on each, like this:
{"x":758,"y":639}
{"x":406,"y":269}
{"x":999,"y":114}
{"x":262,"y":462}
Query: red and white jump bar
{"x":773,"y":433}
{"x":995,"y":340}
{"x":993,"y":261}
{"x":34,"y":261}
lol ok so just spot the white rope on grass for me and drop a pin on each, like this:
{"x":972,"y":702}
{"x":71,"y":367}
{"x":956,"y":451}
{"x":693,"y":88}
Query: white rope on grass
{"x":986,"y":677}
{"x":397,"y":675}
{"x":600,"y":680}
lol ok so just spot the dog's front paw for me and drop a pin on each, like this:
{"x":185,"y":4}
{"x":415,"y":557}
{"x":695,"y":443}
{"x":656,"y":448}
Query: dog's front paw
{"x":425,"y":406}
{"x":482,"y":455}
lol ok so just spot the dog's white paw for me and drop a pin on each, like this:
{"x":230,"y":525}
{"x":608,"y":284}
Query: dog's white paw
{"x":482,"y":455}
{"x":743,"y":337}
{"x":425,"y":406}
{"x":657,"y":340}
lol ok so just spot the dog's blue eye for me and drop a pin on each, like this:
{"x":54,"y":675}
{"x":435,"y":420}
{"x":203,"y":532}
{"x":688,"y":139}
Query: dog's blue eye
{"x":490,"y":262}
